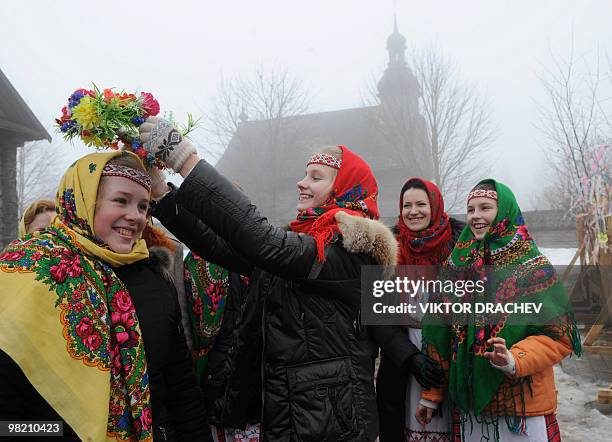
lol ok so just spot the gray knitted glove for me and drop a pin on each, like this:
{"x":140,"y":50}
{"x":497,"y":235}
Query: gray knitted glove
{"x":165,"y":141}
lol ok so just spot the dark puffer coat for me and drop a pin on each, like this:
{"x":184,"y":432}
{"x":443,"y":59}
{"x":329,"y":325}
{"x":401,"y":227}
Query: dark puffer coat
{"x":316,"y":362}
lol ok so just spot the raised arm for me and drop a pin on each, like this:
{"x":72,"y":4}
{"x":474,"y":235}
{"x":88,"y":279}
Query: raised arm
{"x":197,"y":236}
{"x":214,"y":200}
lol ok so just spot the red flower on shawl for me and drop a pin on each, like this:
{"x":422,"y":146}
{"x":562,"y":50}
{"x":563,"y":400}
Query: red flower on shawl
{"x":85,"y":327}
{"x":215,"y":293}
{"x":13,"y":256}
{"x":480,"y":334}
{"x":68,"y":266}
{"x":116,"y":360}
{"x":197,"y":306}
{"x":92,"y":342}
{"x":59,"y":273}
{"x":122,"y":301}
{"x":146,"y":419}
{"x":507,"y":290}
{"x":116,"y":409}
{"x":122,"y":324}
{"x":500,"y":227}
{"x":523,"y":232}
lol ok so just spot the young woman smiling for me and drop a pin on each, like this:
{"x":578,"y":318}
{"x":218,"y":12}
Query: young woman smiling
{"x":302,"y":319}
{"x":426,"y":235}
{"x":89,"y":329}
{"x":500,"y":368}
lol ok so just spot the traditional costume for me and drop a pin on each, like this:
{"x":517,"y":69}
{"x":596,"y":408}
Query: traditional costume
{"x":74,"y":328}
{"x":503,"y":403}
{"x":427,"y":247}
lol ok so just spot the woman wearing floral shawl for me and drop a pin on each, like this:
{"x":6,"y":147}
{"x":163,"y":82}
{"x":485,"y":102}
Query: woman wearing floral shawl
{"x":37,"y":216}
{"x":500,"y":367}
{"x":88,"y":330}
{"x":426,"y":235}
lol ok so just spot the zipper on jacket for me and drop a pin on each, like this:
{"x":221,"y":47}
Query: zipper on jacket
{"x":263,"y":364}
{"x":163,"y":431}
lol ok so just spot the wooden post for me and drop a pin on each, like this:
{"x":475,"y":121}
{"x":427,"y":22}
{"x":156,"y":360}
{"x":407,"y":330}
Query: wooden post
{"x":580,"y":233}
{"x":605,"y":274}
{"x":8,"y":217}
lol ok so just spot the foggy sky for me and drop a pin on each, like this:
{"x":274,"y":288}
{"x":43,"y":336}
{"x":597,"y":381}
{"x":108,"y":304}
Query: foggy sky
{"x":178,"y":51}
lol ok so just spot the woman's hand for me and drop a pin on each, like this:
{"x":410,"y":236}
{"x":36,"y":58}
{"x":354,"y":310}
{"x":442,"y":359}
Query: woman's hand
{"x":426,"y":371}
{"x":159,"y":187}
{"x":165,"y":142}
{"x":500,"y":355}
{"x":424,"y":414}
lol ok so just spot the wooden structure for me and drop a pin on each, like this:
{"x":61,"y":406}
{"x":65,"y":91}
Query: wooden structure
{"x":602,"y":270}
{"x":18,"y":124}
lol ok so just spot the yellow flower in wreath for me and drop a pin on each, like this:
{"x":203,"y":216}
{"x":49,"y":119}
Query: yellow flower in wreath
{"x":85,"y":113}
{"x":92,"y":140}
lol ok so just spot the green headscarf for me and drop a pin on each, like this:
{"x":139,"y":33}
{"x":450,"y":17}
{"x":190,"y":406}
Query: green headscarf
{"x":520,"y":273}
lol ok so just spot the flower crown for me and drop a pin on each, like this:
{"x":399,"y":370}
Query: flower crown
{"x":107,"y":119}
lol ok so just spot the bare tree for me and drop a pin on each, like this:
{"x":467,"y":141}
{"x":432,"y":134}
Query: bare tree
{"x":267,"y":95}
{"x":38,"y":173}
{"x":574,"y":121}
{"x":255,"y":114}
{"x":457,"y":125}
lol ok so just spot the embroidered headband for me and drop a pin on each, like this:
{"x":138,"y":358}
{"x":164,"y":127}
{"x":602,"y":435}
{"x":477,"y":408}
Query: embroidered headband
{"x":491,"y":194}
{"x":129,"y":173}
{"x":326,"y":160}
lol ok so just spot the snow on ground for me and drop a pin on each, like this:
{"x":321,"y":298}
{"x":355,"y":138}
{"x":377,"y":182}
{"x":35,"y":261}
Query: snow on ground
{"x":558,"y":257}
{"x":578,"y":419}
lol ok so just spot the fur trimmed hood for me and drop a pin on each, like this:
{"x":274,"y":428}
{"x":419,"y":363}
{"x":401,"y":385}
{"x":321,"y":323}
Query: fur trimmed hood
{"x":364,"y":235}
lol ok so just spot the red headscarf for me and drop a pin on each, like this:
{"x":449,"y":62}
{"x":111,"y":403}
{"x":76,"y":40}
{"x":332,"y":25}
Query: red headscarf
{"x":432,"y":245}
{"x":354,"y":191}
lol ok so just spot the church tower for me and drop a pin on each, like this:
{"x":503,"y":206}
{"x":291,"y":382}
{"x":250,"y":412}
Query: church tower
{"x":398,"y":84}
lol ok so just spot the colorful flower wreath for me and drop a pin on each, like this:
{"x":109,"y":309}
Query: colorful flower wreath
{"x":110,"y":120}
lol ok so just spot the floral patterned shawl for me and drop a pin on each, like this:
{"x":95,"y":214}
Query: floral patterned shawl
{"x":520,"y":274}
{"x":68,"y":321}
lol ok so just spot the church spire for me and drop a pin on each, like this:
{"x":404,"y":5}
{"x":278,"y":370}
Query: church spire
{"x":398,"y":83}
{"x":396,"y":46}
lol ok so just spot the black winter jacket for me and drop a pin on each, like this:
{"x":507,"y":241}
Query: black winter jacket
{"x":392,"y":377}
{"x":315,"y":361}
{"x":176,"y":400}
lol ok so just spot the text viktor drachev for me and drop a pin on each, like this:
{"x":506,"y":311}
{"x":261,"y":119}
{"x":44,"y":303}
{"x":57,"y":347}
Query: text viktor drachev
{"x":399,"y":300}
